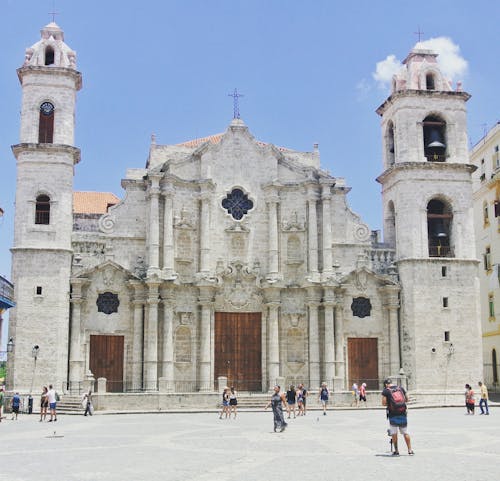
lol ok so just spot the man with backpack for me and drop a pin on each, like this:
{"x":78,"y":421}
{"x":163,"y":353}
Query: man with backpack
{"x":395,"y":399}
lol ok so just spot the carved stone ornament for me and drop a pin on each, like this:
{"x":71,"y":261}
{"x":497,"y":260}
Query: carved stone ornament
{"x":361,"y":232}
{"x":184,"y":220}
{"x":185,"y":318}
{"x":293,"y":223}
{"x":361,"y":307}
{"x":107,"y":302}
{"x":107,"y":224}
{"x":107,"y":277}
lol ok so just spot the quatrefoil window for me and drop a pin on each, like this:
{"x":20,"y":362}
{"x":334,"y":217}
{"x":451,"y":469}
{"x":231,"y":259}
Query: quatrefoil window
{"x":237,"y":204}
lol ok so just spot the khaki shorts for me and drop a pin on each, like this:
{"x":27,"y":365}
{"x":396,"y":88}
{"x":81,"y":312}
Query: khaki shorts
{"x":394,"y":429}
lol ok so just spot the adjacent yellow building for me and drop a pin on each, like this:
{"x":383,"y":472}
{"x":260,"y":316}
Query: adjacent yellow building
{"x":485,"y":155}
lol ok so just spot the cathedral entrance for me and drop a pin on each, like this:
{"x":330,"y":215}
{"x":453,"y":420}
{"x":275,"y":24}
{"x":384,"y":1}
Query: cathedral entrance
{"x":238,"y":349}
{"x":363,"y":361}
{"x":106,"y":360}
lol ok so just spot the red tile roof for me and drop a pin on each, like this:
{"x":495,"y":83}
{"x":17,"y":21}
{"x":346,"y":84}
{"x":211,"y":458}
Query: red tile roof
{"x":93,"y":202}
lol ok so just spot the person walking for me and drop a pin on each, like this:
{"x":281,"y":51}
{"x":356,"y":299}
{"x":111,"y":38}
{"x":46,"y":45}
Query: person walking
{"x":484,"y":398}
{"x":277,"y":401}
{"x":225,"y":403}
{"x":291,"y":399}
{"x":87,"y":402}
{"x":51,"y":397}
{"x":362,"y":393}
{"x":304,"y":398}
{"x":394,"y":398}
{"x":355,"y":395}
{"x":323,"y":396}
{"x":233,"y":402}
{"x":15,"y":404}
{"x":44,"y":404}
{"x":469,"y":399}
{"x":2,"y":400}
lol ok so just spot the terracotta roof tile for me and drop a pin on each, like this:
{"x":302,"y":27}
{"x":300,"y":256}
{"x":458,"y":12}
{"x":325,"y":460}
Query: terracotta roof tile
{"x":215,"y":139}
{"x":93,"y":202}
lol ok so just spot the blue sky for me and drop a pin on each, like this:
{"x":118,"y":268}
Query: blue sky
{"x":306,"y":70}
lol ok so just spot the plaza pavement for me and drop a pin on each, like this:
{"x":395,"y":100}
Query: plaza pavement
{"x":344,"y":445}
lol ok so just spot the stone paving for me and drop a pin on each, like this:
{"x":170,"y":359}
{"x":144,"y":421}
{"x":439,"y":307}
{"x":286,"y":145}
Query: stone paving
{"x":343,"y":445}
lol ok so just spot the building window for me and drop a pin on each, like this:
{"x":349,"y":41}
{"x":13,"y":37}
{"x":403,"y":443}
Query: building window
{"x":434,"y":139}
{"x":445,"y":302}
{"x":486,"y":218}
{"x":46,"y":124}
{"x":42,"y":210}
{"x":237,"y":204}
{"x":446,"y":336}
{"x":439,"y":219}
{"x":49,"y":56}
{"x":429,"y":82}
{"x":487,"y":259}
{"x":361,"y":307}
{"x":38,"y":290}
{"x":390,"y":144}
{"x":483,"y":175}
{"x":444,"y":271}
{"x":107,"y":302}
{"x":491,"y":307}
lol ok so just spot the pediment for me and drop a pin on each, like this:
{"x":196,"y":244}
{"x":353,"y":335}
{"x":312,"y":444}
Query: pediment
{"x":108,"y":266}
{"x":362,"y":277}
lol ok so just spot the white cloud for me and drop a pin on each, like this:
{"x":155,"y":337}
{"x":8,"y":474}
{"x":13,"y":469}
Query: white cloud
{"x":452,"y":64}
{"x":385,"y":69}
{"x":363,"y":88}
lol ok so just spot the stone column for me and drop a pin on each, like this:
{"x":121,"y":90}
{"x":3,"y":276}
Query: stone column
{"x":314,"y":374}
{"x":312,"y":235}
{"x":154,"y":226}
{"x":339,"y":344}
{"x":137,"y":320}
{"x":151,"y":338}
{"x":205,"y":336}
{"x":205,"y":230}
{"x":391,"y":303}
{"x":272,"y":203}
{"x":168,"y":342}
{"x":329,"y":340}
{"x":273,"y":359}
{"x":76,"y":363}
{"x":168,"y":234}
{"x":326,"y":197}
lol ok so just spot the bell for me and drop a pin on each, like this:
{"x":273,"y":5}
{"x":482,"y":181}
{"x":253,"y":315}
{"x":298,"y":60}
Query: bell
{"x":436,"y":139}
{"x":440,"y":231}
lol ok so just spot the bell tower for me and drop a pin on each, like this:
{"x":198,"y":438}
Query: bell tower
{"x":427,"y":206}
{"x":41,"y":254}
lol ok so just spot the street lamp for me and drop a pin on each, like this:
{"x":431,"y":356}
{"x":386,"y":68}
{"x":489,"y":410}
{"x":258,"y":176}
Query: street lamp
{"x":10,"y":345}
{"x":34,"y":354}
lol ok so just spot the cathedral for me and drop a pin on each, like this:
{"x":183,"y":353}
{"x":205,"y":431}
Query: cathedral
{"x":231,"y":258}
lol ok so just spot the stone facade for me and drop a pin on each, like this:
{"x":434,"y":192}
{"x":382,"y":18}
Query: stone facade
{"x":485,"y":156}
{"x":232,"y":257}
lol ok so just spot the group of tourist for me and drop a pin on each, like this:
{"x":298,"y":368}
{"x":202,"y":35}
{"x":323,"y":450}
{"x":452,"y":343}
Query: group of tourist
{"x":48,"y":400}
{"x":229,"y":403}
{"x":296,"y":399}
{"x":470,"y":400}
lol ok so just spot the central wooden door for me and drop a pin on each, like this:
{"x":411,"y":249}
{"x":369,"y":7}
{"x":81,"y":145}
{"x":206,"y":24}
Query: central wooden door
{"x":237,"y":349}
{"x":363,"y":361}
{"x":106,"y":360}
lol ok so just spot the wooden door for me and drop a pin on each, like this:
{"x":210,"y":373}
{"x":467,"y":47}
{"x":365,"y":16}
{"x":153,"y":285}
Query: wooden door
{"x":238,"y":350}
{"x":363,"y":361}
{"x":106,"y":360}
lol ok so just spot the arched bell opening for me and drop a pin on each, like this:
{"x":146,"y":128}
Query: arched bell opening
{"x":49,"y":56}
{"x":434,"y":139}
{"x":430,"y":84}
{"x":439,"y":223}
{"x":42,"y":209}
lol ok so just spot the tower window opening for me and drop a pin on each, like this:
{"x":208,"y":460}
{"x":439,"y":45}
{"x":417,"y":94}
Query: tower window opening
{"x":487,"y":258}
{"x":486,"y":217}
{"x":49,"y":56}
{"x":444,"y":271}
{"x":46,"y":124}
{"x":434,"y":139}
{"x":491,"y":307}
{"x":446,"y":336}
{"x":390,"y":147}
{"x":445,"y":302}
{"x":42,"y":210}
{"x":38,"y":290}
{"x":429,"y":82}
{"x":439,"y":218}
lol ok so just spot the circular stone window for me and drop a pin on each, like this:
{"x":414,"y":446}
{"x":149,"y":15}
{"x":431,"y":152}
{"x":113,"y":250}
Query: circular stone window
{"x":237,"y":204}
